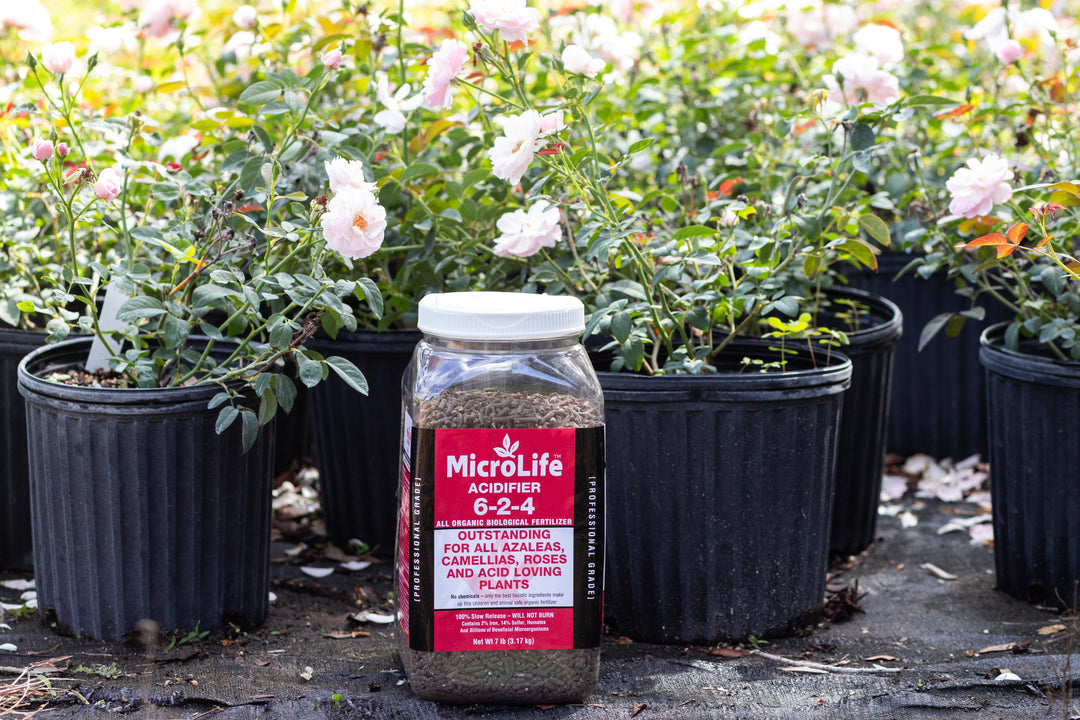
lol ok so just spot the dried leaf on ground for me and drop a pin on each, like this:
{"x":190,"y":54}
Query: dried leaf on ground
{"x":317,"y":572}
{"x":1052,"y":629}
{"x":843,"y":603}
{"x":938,"y":572}
{"x":346,"y":635}
{"x":882,"y":658}
{"x":1005,"y":647}
{"x":728,"y":652}
{"x":365,"y":616}
{"x":18,"y":584}
{"x":807,"y":670}
{"x":637,"y":709}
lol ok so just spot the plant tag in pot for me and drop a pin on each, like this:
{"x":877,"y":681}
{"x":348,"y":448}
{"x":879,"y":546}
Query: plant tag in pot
{"x":99,"y":355}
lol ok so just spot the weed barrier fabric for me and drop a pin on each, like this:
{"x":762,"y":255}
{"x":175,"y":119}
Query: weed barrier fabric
{"x":928,"y":624}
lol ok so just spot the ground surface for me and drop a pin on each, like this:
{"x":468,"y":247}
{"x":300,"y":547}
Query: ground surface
{"x":945,"y":641}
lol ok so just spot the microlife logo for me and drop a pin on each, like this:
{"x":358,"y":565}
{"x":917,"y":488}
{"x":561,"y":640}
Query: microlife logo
{"x":505,"y":462}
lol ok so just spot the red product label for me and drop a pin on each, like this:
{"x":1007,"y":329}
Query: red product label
{"x":498,"y":478}
{"x":504,"y":546}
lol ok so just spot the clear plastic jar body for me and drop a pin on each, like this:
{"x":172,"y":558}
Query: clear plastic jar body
{"x":513,"y":397}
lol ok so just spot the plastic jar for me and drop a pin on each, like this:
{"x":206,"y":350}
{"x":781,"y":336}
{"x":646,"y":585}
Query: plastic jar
{"x":500,"y":561}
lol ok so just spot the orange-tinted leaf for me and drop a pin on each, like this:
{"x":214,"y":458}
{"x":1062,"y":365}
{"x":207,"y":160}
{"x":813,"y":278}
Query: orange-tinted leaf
{"x":982,"y":223}
{"x":1006,"y":250}
{"x":954,"y":112}
{"x":1074,"y":266}
{"x":991,"y":239}
{"x":1017,"y":232}
{"x":431,"y":132}
{"x":1067,"y":187}
{"x":1044,"y":241}
{"x":1063,"y":197}
{"x":1057,"y":89}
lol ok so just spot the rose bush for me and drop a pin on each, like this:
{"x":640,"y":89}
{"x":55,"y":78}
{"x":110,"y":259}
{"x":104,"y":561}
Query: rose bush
{"x":687,"y":193}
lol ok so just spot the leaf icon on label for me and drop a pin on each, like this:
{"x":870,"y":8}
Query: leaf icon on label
{"x":507,"y":450}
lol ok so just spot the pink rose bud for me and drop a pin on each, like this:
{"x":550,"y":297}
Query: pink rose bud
{"x":58,"y":57}
{"x":1009,"y":51}
{"x":143,"y":84}
{"x":43,"y":150}
{"x":332,"y":58}
{"x":108,"y":185}
{"x":62,"y":149}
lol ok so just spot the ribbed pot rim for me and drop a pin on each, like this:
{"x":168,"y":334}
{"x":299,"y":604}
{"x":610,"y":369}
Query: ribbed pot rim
{"x":884,"y":332}
{"x":391,"y":340}
{"x":1027,"y":367}
{"x":827,"y":380}
{"x":69,"y":353}
{"x":20,"y":338}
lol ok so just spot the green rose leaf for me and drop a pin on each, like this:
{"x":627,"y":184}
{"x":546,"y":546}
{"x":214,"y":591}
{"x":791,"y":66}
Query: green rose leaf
{"x":349,"y":373}
{"x":620,"y":326}
{"x":862,"y":137}
{"x":286,"y":391}
{"x":267,"y":407}
{"x":141,"y":306}
{"x":250,"y":428}
{"x":260,"y":93}
{"x":225,"y":418}
{"x":311,"y":371}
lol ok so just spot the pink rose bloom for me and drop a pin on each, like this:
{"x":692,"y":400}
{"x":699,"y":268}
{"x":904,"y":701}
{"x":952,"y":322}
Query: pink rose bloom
{"x":729,"y":219}
{"x":511,"y":18}
{"x":392,"y":116}
{"x":156,"y":17}
{"x":354,"y":223}
{"x":331,"y":58}
{"x":143,"y":84}
{"x":62,"y":149}
{"x":577,"y":59}
{"x":30,"y":17}
{"x":524,"y":233}
{"x":58,"y":57}
{"x":880,"y":41}
{"x":551,"y":123}
{"x":108,"y":185}
{"x":979,"y":186}
{"x":444,"y":66}
{"x":347,"y":173}
{"x":512,"y":153}
{"x":245,"y":17}
{"x":859,"y":78}
{"x":814,"y":23}
{"x":1009,"y":51}
{"x":42,"y":150}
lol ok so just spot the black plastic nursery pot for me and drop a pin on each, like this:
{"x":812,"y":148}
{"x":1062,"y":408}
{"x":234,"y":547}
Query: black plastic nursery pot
{"x":141,"y":511}
{"x":16,"y":549}
{"x":1033,"y":415}
{"x":938,"y":403}
{"x":356,"y":436}
{"x":719,"y":496}
{"x":864,"y":426}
